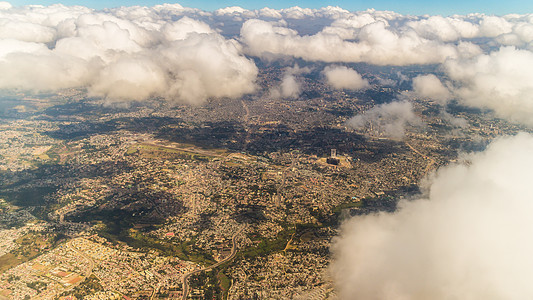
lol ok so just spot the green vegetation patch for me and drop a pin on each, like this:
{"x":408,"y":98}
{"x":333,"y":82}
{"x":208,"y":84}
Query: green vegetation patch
{"x":36,"y":285}
{"x":225,"y":283}
{"x":89,"y":286}
{"x":31,"y":246}
{"x":267,"y":246}
{"x":184,"y":250}
{"x":8,"y":261}
{"x":351,"y":204}
{"x":155,"y":151}
{"x":209,"y":283}
{"x":53,"y":154}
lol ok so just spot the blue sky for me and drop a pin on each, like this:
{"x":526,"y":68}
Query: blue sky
{"x":414,"y":7}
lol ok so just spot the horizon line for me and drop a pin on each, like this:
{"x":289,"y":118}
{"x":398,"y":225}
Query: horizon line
{"x":258,"y":5}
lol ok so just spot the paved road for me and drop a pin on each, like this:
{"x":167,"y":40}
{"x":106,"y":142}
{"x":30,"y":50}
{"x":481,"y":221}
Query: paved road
{"x":230,"y":257}
{"x":431,"y":160}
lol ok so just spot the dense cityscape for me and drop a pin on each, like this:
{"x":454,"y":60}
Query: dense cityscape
{"x":124,"y":202}
{"x":233,"y":162}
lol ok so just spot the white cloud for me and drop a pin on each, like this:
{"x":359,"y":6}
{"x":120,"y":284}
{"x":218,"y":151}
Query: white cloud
{"x":429,"y":86}
{"x":290,"y":87}
{"x":389,"y":119}
{"x":501,"y":81}
{"x":470,"y":239}
{"x":291,"y":83}
{"x":235,"y":11}
{"x":203,"y":66}
{"x":134,"y":78}
{"x":95,"y":41}
{"x":377,"y":44}
{"x":382,"y":38}
{"x":180,"y":29}
{"x":444,"y":29}
{"x":492,"y":26}
{"x":507,"y":30}
{"x":27,"y":32}
{"x":341,"y":77}
{"x":129,"y":53}
{"x":347,"y":28}
{"x":5,"y":5}
{"x":521,"y":36}
{"x":8,"y":46}
{"x":297,"y":12}
{"x":44,"y":70}
{"x":267,"y":12}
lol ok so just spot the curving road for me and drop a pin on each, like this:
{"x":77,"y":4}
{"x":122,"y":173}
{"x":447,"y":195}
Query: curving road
{"x":230,"y":257}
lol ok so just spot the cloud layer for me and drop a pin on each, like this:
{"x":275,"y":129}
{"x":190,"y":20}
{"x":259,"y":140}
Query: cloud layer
{"x":470,"y":239}
{"x":389,"y":119}
{"x":188,"y":55}
{"x":501,"y":81}
{"x":121,"y":54}
{"x":376,"y":43}
{"x":341,"y":77}
{"x":429,"y":86}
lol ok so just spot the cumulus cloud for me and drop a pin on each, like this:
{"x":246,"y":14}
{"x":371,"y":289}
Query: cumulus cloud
{"x":185,"y":26}
{"x":492,"y":26}
{"x":376,"y":43}
{"x":454,"y":121}
{"x":512,"y":30}
{"x":5,"y":5}
{"x":469,"y":239}
{"x":89,"y":46}
{"x":297,"y":12}
{"x":267,"y":12}
{"x":444,"y":29}
{"x":389,"y":119}
{"x":501,"y":81}
{"x":509,"y":30}
{"x":521,"y":35}
{"x":130,"y":78}
{"x":121,"y":54}
{"x":233,"y":10}
{"x":27,"y":32}
{"x":341,"y":77}
{"x":429,"y":86}
{"x":290,"y":86}
{"x":209,"y":66}
{"x":381,"y":37}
